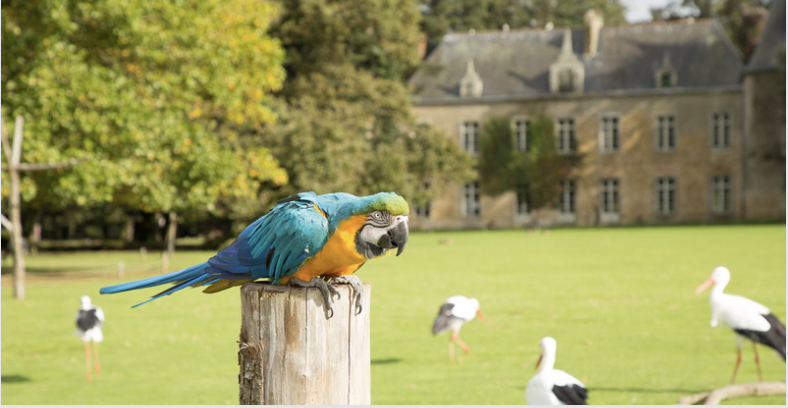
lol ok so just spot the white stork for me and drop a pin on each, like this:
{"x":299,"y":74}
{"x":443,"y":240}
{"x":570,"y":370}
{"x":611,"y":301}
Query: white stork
{"x":747,"y":318}
{"x":553,"y":387}
{"x":456,"y":311}
{"x":89,"y":319}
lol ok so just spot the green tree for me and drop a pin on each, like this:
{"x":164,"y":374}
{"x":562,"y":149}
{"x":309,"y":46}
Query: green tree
{"x":743,"y":20}
{"x":535,"y":173}
{"x":344,"y":111}
{"x":154,"y":96}
{"x":441,"y":16}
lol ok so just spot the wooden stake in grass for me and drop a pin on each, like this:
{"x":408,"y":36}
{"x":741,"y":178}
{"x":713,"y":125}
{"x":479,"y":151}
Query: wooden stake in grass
{"x":291,"y":353}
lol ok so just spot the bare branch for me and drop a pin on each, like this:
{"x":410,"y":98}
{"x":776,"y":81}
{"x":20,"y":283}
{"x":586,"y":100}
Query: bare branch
{"x":46,"y":166}
{"x":6,"y":223}
{"x":16,"y":152}
{"x":734,"y":391}
{"x":6,"y":145}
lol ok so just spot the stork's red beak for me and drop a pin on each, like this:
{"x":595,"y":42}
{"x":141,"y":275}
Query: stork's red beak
{"x":704,"y":286}
{"x":538,"y":362}
{"x":481,"y":316}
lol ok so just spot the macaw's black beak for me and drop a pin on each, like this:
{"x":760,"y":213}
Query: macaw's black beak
{"x":396,"y":237}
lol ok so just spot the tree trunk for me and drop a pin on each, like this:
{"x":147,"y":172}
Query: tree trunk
{"x":14,"y":204}
{"x":290,"y":353}
{"x":172,"y":230}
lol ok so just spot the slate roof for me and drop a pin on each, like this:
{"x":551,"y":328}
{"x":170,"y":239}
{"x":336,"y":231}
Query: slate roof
{"x":515,"y":64}
{"x":768,"y":55}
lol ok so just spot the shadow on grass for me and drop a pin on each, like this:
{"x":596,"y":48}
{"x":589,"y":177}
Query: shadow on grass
{"x":386,"y":361}
{"x":14,"y":379}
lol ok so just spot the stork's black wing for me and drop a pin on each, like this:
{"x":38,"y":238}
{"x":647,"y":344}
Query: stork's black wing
{"x":444,"y":319}
{"x":87,"y":319}
{"x":571,"y":394}
{"x":774,"y":337}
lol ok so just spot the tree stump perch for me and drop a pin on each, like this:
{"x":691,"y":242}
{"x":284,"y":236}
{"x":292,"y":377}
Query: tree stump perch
{"x":290,"y":353}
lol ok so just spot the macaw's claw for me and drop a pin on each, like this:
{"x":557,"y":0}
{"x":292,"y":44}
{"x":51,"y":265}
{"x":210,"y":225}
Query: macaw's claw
{"x":358,"y":289}
{"x":326,"y":289}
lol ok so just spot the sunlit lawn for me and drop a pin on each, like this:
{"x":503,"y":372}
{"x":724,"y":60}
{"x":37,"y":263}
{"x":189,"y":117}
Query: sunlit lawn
{"x":620,"y":303}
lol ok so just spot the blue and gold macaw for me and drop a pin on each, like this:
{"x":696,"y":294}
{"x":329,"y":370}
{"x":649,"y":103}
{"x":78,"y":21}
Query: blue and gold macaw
{"x":303,"y":241}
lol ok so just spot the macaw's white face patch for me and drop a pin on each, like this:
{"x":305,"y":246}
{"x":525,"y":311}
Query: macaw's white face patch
{"x":382,"y":232}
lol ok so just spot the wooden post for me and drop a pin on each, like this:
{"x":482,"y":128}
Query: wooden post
{"x":290,"y":353}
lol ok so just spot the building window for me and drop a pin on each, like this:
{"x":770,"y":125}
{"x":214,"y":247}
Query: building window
{"x":566,"y":135}
{"x":522,"y":203}
{"x":566,"y":81}
{"x":568,"y":197}
{"x":665,"y":133}
{"x":720,"y":130}
{"x":469,"y":137}
{"x":522,"y":128}
{"x":666,"y":195}
{"x":608,"y":134}
{"x":720,"y":194}
{"x":610,"y":196}
{"x":424,"y":210}
{"x":471,"y":199}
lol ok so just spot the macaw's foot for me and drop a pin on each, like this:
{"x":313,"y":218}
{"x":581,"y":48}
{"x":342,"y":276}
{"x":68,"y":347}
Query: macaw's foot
{"x":328,"y":290}
{"x":358,"y":288}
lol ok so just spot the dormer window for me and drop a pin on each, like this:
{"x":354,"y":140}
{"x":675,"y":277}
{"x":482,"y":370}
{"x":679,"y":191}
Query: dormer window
{"x":665,"y":80}
{"x":566,"y":81}
{"x":567,"y":73}
{"x":471,"y":83}
{"x":666,"y":76}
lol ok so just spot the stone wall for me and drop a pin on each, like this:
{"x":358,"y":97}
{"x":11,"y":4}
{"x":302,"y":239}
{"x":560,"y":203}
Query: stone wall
{"x":636,"y":165}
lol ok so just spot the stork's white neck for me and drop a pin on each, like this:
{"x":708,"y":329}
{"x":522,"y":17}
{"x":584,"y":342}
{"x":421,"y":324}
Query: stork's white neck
{"x":548,"y":362}
{"x":718,"y":287}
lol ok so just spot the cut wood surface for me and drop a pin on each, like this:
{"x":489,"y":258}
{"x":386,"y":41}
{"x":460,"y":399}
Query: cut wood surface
{"x":291,"y":353}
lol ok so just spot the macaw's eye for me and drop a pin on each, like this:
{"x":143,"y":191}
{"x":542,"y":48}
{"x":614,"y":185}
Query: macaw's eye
{"x":379,"y":218}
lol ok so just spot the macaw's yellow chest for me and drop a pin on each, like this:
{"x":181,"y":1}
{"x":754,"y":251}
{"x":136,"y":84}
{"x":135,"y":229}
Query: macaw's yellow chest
{"x":338,"y":256}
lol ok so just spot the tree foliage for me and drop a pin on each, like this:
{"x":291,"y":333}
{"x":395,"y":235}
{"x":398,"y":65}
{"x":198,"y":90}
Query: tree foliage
{"x":154,"y":95}
{"x":536,"y":173}
{"x":344,"y":111}
{"x":743,"y":20}
{"x":442,"y":16}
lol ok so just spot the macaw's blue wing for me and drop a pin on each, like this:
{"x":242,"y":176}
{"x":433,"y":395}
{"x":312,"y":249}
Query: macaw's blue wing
{"x":275,"y":245}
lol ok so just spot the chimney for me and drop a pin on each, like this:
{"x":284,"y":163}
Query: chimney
{"x":421,"y":47}
{"x":593,"y":23}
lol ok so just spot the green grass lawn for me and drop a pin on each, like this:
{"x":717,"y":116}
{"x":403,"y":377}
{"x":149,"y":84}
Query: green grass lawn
{"x":620,"y":302}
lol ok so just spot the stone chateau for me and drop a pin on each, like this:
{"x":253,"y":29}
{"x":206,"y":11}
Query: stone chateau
{"x":673,"y":126}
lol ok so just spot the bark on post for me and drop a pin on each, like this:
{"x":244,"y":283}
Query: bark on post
{"x":290,"y":353}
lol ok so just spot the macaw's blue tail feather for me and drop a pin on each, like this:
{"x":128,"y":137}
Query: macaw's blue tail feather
{"x":194,"y":275}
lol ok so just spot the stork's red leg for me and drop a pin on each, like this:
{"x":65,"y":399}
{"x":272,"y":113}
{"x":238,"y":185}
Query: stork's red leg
{"x":738,"y":361}
{"x":757,"y":362}
{"x":96,"y":359}
{"x":87,"y":362}
{"x":456,"y":337}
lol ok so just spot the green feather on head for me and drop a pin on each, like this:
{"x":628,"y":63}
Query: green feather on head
{"x":391,"y":202}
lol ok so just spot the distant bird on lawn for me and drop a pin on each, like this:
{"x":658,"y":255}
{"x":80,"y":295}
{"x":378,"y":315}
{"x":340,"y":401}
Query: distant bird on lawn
{"x":747,"y":318}
{"x":302,"y":240}
{"x":553,"y":387}
{"x":89,"y":319}
{"x":455,"y":312}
